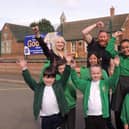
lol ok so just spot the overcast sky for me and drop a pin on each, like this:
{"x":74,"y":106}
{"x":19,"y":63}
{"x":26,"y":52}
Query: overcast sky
{"x":23,"y":12}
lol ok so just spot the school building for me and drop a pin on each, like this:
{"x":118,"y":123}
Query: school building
{"x":12,"y":35}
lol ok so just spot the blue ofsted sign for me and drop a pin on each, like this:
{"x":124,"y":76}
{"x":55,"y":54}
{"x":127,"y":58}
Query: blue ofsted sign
{"x":31,"y":45}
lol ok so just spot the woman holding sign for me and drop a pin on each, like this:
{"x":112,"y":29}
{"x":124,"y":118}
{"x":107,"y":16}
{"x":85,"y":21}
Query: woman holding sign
{"x":57,"y":51}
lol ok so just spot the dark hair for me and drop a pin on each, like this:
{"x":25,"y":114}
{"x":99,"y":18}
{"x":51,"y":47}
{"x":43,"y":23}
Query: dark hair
{"x":100,"y":31}
{"x":90,"y":54}
{"x":124,"y":40}
{"x":34,"y":24}
{"x":60,"y":62}
{"x":49,"y":72}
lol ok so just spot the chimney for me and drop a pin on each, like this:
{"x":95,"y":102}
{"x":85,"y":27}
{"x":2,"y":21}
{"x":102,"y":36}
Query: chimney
{"x":112,"y":11}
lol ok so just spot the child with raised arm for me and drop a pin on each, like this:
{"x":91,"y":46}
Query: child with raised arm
{"x":49,"y":100}
{"x":70,"y":95}
{"x":99,"y":46}
{"x":95,"y":95}
{"x":123,"y":83}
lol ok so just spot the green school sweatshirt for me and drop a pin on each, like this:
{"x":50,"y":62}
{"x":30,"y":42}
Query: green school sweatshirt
{"x":85,"y":73}
{"x":38,"y":89}
{"x":84,"y":86}
{"x":124,"y":60}
{"x":70,"y":92}
{"x":125,"y":110}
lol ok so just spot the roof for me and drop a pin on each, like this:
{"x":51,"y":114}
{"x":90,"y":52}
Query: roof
{"x":19,"y":31}
{"x":72,"y":30}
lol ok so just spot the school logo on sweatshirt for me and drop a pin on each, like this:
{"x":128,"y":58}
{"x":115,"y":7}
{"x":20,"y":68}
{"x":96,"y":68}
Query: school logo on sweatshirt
{"x":104,"y":88}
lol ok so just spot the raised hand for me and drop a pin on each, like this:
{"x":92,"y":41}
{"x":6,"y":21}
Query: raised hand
{"x":22,"y":63}
{"x":116,"y":61}
{"x":100,"y":24}
{"x":36,"y":31}
{"x":73,"y":64}
{"x":117,"y":34}
{"x":69,"y":58}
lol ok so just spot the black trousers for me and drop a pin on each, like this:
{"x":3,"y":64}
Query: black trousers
{"x":109,"y":120}
{"x":69,"y":120}
{"x":117,"y":98}
{"x":119,"y":123}
{"x":51,"y":122}
{"x":95,"y":122}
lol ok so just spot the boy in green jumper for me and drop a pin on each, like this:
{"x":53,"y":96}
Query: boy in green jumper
{"x":122,"y":86}
{"x":70,"y":95}
{"x":69,"y":92}
{"x":49,"y":99}
{"x":95,"y":95}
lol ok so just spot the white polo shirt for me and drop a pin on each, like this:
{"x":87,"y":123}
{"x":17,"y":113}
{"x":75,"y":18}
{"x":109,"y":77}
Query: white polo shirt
{"x":49,"y":102}
{"x":94,"y":102}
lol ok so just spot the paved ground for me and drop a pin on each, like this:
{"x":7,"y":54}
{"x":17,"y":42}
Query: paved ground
{"x":16,"y":105}
{"x":16,"y":101}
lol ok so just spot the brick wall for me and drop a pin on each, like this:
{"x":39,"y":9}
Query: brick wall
{"x":126,"y":32}
{"x":16,"y":47}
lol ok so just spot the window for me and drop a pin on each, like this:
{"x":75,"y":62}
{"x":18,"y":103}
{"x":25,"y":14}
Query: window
{"x":3,"y":47}
{"x":6,"y":47}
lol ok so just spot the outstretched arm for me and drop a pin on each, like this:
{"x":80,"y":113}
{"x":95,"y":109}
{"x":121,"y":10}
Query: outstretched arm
{"x":66,"y":73}
{"x":43,"y":44}
{"x":87,"y":30}
{"x":112,"y":82}
{"x":111,"y":44}
{"x":25,"y":72}
{"x":81,"y":84}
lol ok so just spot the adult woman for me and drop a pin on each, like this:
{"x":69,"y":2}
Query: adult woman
{"x":56,"y":52}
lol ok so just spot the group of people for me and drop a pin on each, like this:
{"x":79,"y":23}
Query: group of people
{"x":107,"y":69}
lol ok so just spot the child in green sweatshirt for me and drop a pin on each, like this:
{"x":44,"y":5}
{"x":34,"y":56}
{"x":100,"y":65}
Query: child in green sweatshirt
{"x":123,"y":83}
{"x":69,"y":92}
{"x":95,"y":95}
{"x":49,"y":99}
{"x":70,"y":95}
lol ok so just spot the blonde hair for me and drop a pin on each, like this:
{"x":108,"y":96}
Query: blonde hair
{"x":56,"y":38}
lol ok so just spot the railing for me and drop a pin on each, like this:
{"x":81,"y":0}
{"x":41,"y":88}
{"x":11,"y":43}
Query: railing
{"x":80,"y":61}
{"x":28,"y":60}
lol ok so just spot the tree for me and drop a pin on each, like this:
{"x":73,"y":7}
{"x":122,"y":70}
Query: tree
{"x":45,"y":26}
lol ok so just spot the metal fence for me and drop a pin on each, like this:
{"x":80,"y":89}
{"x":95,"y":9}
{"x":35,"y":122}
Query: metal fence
{"x":79,"y":61}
